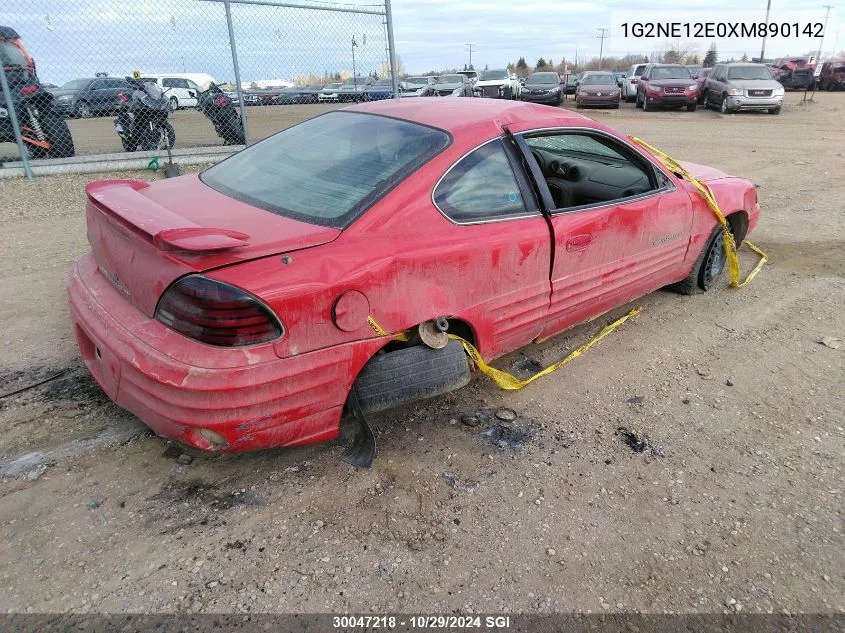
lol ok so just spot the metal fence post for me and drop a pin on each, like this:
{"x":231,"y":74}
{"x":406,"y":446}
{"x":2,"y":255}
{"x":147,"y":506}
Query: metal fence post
{"x":237,"y":71}
{"x":388,"y":17}
{"x":13,"y":117}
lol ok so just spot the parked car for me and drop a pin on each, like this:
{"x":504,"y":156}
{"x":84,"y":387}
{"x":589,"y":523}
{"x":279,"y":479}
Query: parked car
{"x":249,"y":327}
{"x":700,"y":81}
{"x":598,"y":89}
{"x":572,"y":83}
{"x":472,"y":75}
{"x":446,"y":85}
{"x":353,"y":88}
{"x":632,"y":78}
{"x":181,"y":92}
{"x":306,"y":94}
{"x":833,"y":75}
{"x":798,"y":79}
{"x":329,"y":93}
{"x":734,"y":87}
{"x":666,"y":86}
{"x":543,"y":87}
{"x":498,"y":84}
{"x":264,"y":96}
{"x":381,"y":89}
{"x":412,"y":86}
{"x":89,"y":97}
{"x":694,"y":70}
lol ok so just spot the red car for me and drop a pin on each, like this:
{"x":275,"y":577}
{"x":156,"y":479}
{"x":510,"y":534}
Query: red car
{"x":229,"y":310}
{"x":667,"y":86}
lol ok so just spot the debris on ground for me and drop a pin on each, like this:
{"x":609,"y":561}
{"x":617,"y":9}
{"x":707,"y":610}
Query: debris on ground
{"x":507,"y":436}
{"x":639,"y":442}
{"x":452,"y":479}
{"x":636,"y":400}
{"x":506,"y":415}
{"x":470,"y":420}
{"x":831,"y":342}
{"x":527,"y":365}
{"x":184,"y":459}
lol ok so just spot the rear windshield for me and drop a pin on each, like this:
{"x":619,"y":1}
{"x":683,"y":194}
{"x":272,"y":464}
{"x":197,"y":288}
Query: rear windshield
{"x":327,"y":170}
{"x":490,"y":75}
{"x":450,"y":79}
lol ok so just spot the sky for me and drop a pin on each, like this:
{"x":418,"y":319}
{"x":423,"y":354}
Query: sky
{"x":77,"y":38}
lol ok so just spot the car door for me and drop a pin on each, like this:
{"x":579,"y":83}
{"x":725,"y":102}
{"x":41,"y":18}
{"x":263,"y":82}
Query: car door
{"x":502,"y":235}
{"x":191,"y":88}
{"x":98,"y":96}
{"x":620,"y":226}
{"x":714,"y":84}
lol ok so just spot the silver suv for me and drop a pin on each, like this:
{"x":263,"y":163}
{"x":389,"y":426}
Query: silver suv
{"x":629,"y":82}
{"x":734,"y":87}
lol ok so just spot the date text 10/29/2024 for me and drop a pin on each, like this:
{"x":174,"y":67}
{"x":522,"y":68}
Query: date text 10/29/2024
{"x":421,"y":622}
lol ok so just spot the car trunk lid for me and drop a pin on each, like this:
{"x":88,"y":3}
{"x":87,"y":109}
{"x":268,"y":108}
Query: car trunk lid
{"x":144,"y":236}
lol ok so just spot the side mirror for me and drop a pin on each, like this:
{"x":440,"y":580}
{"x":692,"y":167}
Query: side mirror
{"x":192,"y":94}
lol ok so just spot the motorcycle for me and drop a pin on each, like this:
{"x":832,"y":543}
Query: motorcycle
{"x":43,"y":131}
{"x":220,"y":110}
{"x":142,"y":121}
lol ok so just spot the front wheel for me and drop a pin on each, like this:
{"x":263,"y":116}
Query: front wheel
{"x":691,"y":107}
{"x":232,"y":131}
{"x":708,"y":267}
{"x":705,"y":102}
{"x":83,"y":110}
{"x":775,"y":110}
{"x":58,"y":133}
{"x":174,"y":103}
{"x":723,"y":107}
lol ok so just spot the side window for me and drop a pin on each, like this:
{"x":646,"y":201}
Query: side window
{"x":182,"y":83}
{"x":169,"y":82}
{"x":192,"y":85}
{"x":481,"y":187}
{"x":588,"y":169}
{"x":97,"y":84}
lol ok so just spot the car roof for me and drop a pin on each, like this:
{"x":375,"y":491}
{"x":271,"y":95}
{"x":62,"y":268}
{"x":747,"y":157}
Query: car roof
{"x":599,"y":72}
{"x":461,"y":114}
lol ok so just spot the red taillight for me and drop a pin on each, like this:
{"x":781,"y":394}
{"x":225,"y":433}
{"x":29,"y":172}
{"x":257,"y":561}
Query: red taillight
{"x":634,"y":80}
{"x":221,"y":101}
{"x":29,"y":90}
{"x":122,"y":97}
{"x":216,"y":313}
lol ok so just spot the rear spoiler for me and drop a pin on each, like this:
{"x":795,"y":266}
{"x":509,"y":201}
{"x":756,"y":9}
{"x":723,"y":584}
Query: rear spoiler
{"x":166,"y":230}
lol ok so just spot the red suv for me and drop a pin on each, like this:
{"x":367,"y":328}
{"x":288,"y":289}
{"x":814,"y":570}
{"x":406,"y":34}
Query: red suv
{"x":668,"y":86}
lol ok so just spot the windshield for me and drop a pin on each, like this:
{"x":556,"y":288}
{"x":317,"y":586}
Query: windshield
{"x":543,"y":78}
{"x":327,"y":170}
{"x":489,"y":75}
{"x":450,"y":79}
{"x":639,"y":70}
{"x":354,"y":81}
{"x":76,"y":84}
{"x":11,"y":55}
{"x":748,"y":72}
{"x":417,"y":81}
{"x":670,"y":72}
{"x":598,"y":80}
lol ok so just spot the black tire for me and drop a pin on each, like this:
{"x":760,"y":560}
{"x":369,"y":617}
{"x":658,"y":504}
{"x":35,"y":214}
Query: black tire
{"x":128,"y":145}
{"x":691,"y":107}
{"x":83,"y":110}
{"x":174,"y":103}
{"x":407,"y":375}
{"x":775,"y":110}
{"x":723,"y":105}
{"x":170,"y":135}
{"x":233,"y":131}
{"x":705,"y":100}
{"x":638,"y":102}
{"x":708,"y":267}
{"x":58,"y":134}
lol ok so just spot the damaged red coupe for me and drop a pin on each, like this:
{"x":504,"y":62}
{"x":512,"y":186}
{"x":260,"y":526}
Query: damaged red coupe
{"x":229,"y":310}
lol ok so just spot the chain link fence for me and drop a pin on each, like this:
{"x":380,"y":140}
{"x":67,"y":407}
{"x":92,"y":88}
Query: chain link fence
{"x":98,"y":77}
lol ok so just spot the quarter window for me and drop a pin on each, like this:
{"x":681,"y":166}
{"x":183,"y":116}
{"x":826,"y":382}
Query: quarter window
{"x":481,"y":186}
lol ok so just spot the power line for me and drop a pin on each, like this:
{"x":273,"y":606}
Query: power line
{"x":602,"y":37}
{"x":469,"y":48}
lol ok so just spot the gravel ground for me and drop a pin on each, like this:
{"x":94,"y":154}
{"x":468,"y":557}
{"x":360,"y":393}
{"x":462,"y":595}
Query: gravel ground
{"x":735,"y":502}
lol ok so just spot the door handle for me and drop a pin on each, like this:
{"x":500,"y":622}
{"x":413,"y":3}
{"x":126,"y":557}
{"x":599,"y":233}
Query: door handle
{"x":578,"y":242}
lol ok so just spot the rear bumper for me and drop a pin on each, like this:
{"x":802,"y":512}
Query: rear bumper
{"x":257,"y":402}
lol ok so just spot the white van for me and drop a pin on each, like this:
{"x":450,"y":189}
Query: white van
{"x":179,"y":86}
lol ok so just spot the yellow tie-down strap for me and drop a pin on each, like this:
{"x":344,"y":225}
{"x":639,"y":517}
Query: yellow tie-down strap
{"x":504,"y":379}
{"x":703,"y":188}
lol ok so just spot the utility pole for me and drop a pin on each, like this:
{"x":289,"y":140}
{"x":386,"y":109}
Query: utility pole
{"x":469,"y":48}
{"x":602,"y":37}
{"x":763,"y":50}
{"x":354,"y":74}
{"x":826,"y":16}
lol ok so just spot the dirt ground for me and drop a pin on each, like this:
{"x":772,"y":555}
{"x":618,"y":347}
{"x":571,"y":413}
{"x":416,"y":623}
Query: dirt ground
{"x":736,"y":503}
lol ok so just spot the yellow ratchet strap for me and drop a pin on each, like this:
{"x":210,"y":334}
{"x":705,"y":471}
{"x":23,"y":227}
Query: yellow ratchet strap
{"x":704,"y":189}
{"x":508,"y":381}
